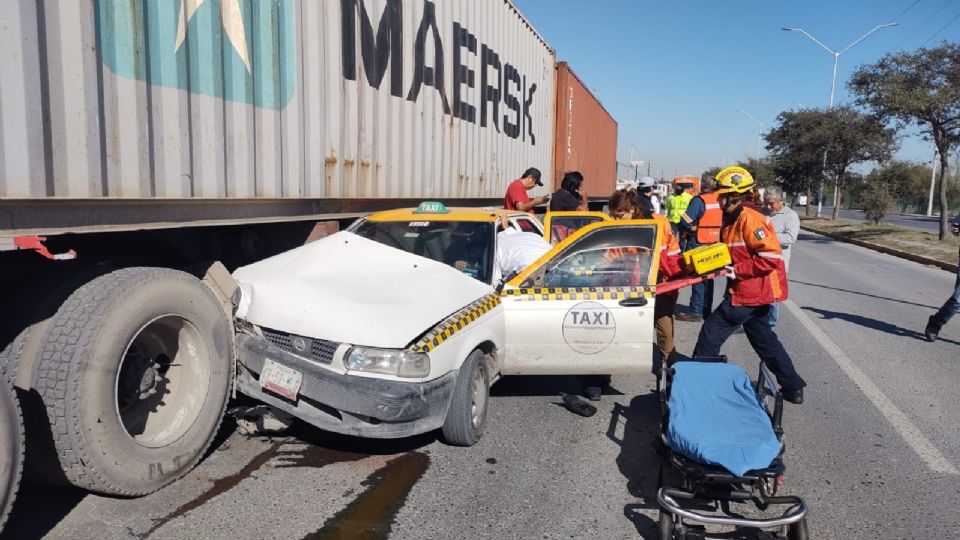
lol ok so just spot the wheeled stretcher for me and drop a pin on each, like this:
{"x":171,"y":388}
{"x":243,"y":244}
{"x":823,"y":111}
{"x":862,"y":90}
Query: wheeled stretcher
{"x":722,"y":443}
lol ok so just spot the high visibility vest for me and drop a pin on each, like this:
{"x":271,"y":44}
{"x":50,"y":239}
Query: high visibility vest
{"x":708,"y":228}
{"x":677,"y":205}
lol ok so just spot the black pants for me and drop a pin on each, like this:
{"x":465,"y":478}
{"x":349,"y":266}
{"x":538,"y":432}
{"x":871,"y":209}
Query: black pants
{"x":724,"y":321}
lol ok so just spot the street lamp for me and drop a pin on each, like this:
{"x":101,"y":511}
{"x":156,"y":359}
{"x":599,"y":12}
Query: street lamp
{"x":833,"y":86}
{"x":836,"y":54}
{"x":759,"y":135}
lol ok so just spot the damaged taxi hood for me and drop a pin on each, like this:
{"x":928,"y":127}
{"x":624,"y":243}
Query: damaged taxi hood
{"x":348,"y":289}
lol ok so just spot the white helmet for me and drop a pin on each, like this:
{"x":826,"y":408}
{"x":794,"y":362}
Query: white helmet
{"x":646,"y":181}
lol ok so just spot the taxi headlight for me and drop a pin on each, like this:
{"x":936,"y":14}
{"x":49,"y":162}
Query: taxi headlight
{"x":399,"y":362}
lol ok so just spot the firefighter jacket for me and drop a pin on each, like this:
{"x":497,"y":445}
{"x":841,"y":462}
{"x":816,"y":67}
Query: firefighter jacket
{"x":670,"y":256}
{"x":761,"y":277}
{"x":677,"y":205}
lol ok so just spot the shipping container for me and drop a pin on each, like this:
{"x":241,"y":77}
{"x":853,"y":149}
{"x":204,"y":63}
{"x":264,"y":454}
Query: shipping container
{"x":126,"y":100}
{"x":586,"y":136}
{"x":148,"y":147}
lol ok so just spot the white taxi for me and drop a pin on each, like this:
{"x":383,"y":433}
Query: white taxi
{"x":394,"y":327}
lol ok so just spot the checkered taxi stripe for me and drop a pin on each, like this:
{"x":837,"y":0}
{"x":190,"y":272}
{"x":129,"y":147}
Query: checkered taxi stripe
{"x":582,"y":293}
{"x":456,"y":322}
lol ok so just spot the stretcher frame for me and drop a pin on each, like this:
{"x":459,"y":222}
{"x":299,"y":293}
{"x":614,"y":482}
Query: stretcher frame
{"x":703,"y":485}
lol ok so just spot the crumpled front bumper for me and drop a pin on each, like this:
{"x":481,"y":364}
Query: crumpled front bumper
{"x":343,"y":403}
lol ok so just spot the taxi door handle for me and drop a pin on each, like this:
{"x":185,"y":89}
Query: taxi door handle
{"x":640,"y":301}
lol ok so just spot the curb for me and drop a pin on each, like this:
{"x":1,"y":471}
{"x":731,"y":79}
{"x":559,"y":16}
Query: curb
{"x":884,"y":249}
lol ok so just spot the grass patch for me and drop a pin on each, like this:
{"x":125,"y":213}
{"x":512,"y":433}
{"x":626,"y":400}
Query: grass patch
{"x":910,"y":240}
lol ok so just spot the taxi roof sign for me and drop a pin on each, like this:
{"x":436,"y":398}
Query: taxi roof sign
{"x":431,"y":207}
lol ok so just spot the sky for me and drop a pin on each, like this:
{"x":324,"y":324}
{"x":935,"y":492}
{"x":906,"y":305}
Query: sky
{"x":673,"y":72}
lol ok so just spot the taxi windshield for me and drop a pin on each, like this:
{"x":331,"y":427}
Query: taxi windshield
{"x":464,"y":245}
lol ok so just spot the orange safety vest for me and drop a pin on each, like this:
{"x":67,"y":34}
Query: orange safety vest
{"x":761,"y":277}
{"x":708,"y":227}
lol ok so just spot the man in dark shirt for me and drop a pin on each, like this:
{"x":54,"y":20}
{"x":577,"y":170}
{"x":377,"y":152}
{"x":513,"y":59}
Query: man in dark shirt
{"x":570,"y":196}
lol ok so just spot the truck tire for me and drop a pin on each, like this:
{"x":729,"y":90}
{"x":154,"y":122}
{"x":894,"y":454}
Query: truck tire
{"x":134,"y":373}
{"x":11,"y":448}
{"x":467,"y":415}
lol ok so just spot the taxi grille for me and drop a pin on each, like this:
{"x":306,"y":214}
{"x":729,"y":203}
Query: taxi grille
{"x":319,"y":350}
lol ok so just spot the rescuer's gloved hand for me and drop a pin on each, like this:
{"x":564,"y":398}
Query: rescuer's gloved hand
{"x":730,"y":273}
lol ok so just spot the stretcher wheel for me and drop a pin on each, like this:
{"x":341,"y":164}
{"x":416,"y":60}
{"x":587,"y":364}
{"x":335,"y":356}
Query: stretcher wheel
{"x":798,"y":530}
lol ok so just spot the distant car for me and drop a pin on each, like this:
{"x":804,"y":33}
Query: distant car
{"x":394,"y":327}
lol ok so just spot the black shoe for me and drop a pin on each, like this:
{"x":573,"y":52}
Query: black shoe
{"x":688,"y":317}
{"x":793,"y":396}
{"x":931,"y":331}
{"x":592,"y":392}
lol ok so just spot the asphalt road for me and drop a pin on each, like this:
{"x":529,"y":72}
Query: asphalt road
{"x":923,"y":223}
{"x":874,"y":450}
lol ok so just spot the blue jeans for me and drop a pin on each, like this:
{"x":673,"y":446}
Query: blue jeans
{"x":774,"y":313}
{"x":701,"y":294}
{"x":950,"y":308}
{"x":701,"y":298}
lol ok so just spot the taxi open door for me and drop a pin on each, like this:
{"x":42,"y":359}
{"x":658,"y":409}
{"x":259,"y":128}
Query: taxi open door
{"x":585,"y":307}
{"x":557,"y":226}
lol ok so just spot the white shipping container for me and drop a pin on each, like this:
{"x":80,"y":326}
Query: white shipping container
{"x":271,"y":99}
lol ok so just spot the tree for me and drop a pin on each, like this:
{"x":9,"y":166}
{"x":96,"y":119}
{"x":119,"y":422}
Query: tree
{"x":921,"y":88}
{"x":907,"y":182}
{"x":762,"y":171}
{"x":807,"y":143}
{"x":876,"y":202}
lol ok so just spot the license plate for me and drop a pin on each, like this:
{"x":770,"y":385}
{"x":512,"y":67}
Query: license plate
{"x":280,"y":379}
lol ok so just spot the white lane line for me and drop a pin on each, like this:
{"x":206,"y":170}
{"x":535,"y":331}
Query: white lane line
{"x":925,"y":449}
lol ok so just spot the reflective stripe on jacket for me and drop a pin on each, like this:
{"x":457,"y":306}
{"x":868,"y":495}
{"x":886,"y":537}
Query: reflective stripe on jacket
{"x":708,"y":227}
{"x":761,"y":277}
{"x":677,"y":205}
{"x":670,"y":256}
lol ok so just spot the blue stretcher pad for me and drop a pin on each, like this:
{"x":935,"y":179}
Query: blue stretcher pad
{"x":717,"y":418}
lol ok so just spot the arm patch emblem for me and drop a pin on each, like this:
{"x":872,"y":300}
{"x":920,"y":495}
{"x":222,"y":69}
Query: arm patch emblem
{"x":759,"y":234}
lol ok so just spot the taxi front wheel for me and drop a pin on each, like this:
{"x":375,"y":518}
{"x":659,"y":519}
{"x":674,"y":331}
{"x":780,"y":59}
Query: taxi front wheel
{"x":467,"y":415}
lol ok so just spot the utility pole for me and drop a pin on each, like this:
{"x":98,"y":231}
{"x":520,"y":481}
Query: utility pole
{"x":833,"y":86}
{"x":933,"y":180}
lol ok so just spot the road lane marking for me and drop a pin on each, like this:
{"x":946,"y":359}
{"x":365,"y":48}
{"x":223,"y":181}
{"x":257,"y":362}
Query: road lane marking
{"x":925,"y":449}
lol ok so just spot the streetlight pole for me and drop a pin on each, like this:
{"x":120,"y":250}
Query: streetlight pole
{"x":933,"y":180}
{"x":833,"y":87}
{"x":759,"y":135}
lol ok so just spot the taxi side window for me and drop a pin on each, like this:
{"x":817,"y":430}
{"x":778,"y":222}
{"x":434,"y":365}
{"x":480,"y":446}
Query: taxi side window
{"x":562,"y":227}
{"x":614,"y":267}
{"x":606,"y":257}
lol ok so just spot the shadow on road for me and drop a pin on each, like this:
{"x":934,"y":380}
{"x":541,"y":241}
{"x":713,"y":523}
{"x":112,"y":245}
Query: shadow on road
{"x":859,"y":293}
{"x":541,"y":385}
{"x":873,"y":324}
{"x":634,"y":428}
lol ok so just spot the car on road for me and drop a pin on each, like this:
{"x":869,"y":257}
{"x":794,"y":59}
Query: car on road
{"x":395,"y":327}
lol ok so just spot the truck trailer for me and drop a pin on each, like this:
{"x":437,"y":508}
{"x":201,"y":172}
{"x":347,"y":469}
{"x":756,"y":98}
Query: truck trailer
{"x":148,"y":148}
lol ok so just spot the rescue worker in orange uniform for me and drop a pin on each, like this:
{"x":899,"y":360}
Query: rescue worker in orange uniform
{"x":758,"y":279}
{"x":700,"y":226}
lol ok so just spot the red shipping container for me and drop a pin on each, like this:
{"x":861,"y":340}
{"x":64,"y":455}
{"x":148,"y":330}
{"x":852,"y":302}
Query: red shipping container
{"x":586,"y":136}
